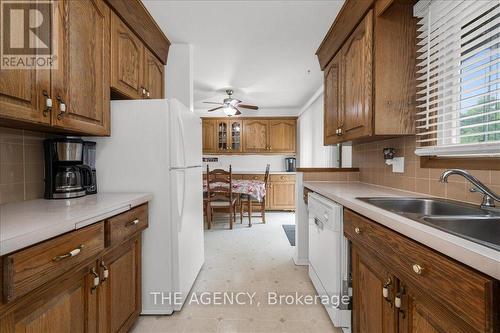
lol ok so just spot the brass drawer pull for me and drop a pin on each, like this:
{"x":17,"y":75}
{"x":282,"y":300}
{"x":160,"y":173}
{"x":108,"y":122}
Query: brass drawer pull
{"x":357,"y":230}
{"x":72,"y":253}
{"x":418,"y":269}
{"x":132,"y":223}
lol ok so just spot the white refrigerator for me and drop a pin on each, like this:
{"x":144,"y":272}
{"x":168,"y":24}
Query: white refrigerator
{"x":155,"y":146}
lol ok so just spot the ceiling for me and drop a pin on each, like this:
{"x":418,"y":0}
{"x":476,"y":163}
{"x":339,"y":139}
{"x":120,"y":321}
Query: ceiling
{"x":264,"y":50}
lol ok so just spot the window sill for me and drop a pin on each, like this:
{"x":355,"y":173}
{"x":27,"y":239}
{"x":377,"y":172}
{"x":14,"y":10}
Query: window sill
{"x":471,"y":163}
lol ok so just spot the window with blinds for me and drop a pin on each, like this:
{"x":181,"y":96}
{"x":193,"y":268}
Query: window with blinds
{"x":458,"y":88}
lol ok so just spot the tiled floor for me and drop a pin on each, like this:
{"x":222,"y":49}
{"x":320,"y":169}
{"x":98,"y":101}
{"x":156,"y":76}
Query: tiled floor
{"x":257,"y":259}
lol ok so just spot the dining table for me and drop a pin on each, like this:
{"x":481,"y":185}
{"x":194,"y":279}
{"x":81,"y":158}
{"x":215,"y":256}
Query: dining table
{"x":252,"y":188}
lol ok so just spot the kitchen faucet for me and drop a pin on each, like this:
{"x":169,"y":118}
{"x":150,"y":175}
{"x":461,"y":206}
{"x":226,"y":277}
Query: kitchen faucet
{"x":489,"y":196}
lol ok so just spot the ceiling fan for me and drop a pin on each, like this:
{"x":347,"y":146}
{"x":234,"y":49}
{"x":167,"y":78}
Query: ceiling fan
{"x":231,"y":106}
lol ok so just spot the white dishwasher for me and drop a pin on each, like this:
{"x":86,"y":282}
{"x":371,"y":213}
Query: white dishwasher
{"x":329,"y":257}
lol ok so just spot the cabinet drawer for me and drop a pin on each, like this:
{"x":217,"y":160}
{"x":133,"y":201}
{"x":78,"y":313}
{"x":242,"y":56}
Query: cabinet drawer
{"x":121,"y":227}
{"x":282,"y":178}
{"x":453,"y":285}
{"x":254,"y":177}
{"x":32,"y":267}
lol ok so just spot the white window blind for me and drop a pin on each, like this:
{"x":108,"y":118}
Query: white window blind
{"x":458,"y":73}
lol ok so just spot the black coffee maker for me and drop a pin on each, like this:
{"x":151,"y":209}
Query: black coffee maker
{"x":66,"y":175}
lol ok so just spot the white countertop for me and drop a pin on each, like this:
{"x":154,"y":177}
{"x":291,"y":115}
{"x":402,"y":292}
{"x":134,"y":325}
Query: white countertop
{"x":244,"y":172}
{"x":263,"y":172}
{"x":28,"y":222}
{"x":482,"y":258}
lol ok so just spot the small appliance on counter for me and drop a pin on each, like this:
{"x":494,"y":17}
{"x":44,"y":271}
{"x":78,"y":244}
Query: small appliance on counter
{"x":66,"y":173}
{"x":89,"y":154}
{"x":290,"y":164}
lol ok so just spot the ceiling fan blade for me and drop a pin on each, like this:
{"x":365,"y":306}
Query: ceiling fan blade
{"x":238,"y":112}
{"x":217,"y":108}
{"x":247,"y":106}
{"x":212,"y":103}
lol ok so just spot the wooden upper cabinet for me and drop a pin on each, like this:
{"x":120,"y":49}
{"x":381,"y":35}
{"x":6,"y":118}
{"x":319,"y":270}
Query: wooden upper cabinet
{"x":95,"y":51}
{"x":222,"y":135}
{"x":80,"y":84}
{"x":154,"y":82}
{"x":249,"y":135}
{"x":333,"y":106}
{"x":22,"y":94}
{"x":135,"y":72}
{"x":127,"y":59}
{"x":356,"y":60}
{"x":282,"y":136}
{"x":209,"y":136}
{"x":369,"y":78}
{"x":255,"y":135}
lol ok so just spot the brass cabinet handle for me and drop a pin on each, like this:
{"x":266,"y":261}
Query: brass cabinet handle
{"x":397,"y":301}
{"x":132,"y":223}
{"x":105,"y":272}
{"x":72,"y":253}
{"x":62,"y":107}
{"x":357,"y":230}
{"x":385,"y":290}
{"x":48,"y":103}
{"x":95,"y":280}
{"x":418,"y":269}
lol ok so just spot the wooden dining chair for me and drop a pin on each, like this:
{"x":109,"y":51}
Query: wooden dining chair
{"x":247,"y":201}
{"x":220,"y":194}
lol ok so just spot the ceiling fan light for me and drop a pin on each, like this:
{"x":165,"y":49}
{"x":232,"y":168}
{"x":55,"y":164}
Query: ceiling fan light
{"x":229,"y":110}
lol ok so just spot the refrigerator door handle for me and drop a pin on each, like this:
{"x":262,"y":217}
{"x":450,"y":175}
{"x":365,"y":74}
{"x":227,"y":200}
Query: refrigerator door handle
{"x":185,"y":167}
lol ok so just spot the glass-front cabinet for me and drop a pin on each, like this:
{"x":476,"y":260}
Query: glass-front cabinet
{"x":229,"y":135}
{"x":235,"y":126}
{"x":222,"y":137}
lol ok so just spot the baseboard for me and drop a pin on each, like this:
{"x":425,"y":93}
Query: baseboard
{"x":300,"y":262}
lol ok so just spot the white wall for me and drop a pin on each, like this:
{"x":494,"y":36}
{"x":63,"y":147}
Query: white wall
{"x":311,"y":151}
{"x":179,"y":74}
{"x":247,"y":162}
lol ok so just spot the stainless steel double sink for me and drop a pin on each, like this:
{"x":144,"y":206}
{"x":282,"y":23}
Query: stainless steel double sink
{"x":476,"y":224}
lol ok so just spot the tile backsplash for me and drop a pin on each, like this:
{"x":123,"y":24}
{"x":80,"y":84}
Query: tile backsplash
{"x":369,"y":158}
{"x":21,"y":165}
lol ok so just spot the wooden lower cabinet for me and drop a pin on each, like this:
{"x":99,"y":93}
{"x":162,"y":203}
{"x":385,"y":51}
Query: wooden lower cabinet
{"x":66,"y":305}
{"x":420,"y":314}
{"x":372,"y":311}
{"x":120,"y":292}
{"x":100,"y":294}
{"x":280,"y":191}
{"x":425,"y":290}
{"x":281,"y":195}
